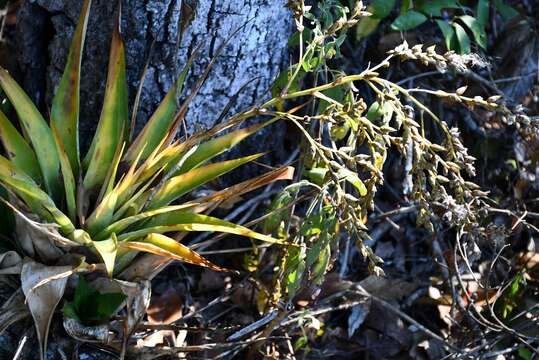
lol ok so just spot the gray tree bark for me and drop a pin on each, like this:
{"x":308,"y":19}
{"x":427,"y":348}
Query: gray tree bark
{"x":257,"y":53}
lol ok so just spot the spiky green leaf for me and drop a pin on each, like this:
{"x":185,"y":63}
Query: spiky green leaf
{"x":187,"y":221}
{"x":35,"y":198}
{"x":67,"y":175}
{"x":160,"y":123}
{"x":18,"y":150}
{"x":37,"y":131}
{"x":182,"y":184}
{"x":65,"y":105}
{"x":114,"y":116}
{"x":122,"y":224}
{"x":214,"y":147}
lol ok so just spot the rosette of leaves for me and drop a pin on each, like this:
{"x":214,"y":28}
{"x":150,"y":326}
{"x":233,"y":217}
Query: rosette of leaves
{"x":122,"y":198}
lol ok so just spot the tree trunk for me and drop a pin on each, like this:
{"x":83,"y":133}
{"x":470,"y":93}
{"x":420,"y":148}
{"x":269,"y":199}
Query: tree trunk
{"x":256,"y":54}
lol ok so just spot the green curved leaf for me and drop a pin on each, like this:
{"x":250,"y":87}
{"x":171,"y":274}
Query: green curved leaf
{"x":107,"y":249}
{"x":113,"y":122}
{"x":18,"y":150}
{"x":408,"y":21}
{"x":165,"y":246}
{"x":67,"y":174}
{"x":463,"y":39}
{"x":216,"y":146}
{"x":37,"y":131}
{"x":180,"y":185}
{"x":353,"y":179}
{"x":450,"y":38}
{"x":121,"y":225}
{"x":36,"y":199}
{"x":186,"y":221}
{"x":478,"y":31}
{"x":161,"y":122}
{"x":65,"y":105}
{"x":102,"y":215}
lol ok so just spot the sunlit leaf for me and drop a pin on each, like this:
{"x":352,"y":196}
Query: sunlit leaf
{"x":38,"y":133}
{"x":353,"y":179}
{"x":463,"y":39}
{"x":122,"y":224}
{"x":165,"y":246}
{"x":161,"y":121}
{"x":186,"y":221}
{"x":101,"y":217}
{"x":107,"y":249}
{"x":233,"y":192}
{"x":317,"y":175}
{"x":214,"y":147}
{"x":477,"y":29}
{"x":182,"y":184}
{"x":18,"y":150}
{"x":36,"y":199}
{"x":375,"y":111}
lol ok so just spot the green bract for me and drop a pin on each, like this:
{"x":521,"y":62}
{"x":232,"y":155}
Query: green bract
{"x":118,"y":198}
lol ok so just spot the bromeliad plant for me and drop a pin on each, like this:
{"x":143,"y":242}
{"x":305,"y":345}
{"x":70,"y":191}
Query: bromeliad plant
{"x":90,"y":199}
{"x":121,"y":198}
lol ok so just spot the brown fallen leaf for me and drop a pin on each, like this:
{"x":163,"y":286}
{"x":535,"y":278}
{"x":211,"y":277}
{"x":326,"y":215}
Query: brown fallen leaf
{"x":43,"y":290}
{"x":165,"y":308}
